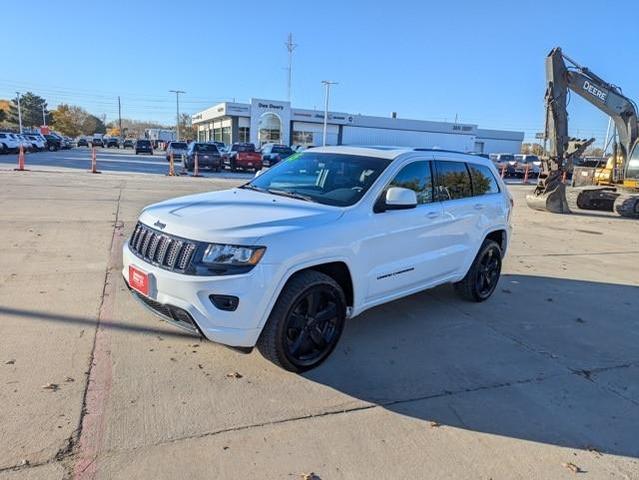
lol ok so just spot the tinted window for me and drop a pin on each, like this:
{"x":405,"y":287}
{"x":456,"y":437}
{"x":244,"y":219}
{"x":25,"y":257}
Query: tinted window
{"x":141,"y":143}
{"x":331,"y":179}
{"x":483,"y":179}
{"x":178,"y":145}
{"x":205,"y":147}
{"x":453,"y":181}
{"x":417,"y":177}
{"x":248,"y":147}
{"x":282,"y":149}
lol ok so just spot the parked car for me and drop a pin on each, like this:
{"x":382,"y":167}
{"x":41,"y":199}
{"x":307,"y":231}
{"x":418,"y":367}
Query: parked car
{"x":37,"y":142}
{"x":282,"y":261}
{"x":9,"y":143}
{"x":531,"y":161}
{"x":504,"y":160}
{"x":53,"y":142}
{"x":97,"y":142}
{"x":128,"y":143}
{"x":143,"y":146}
{"x":208,"y":156}
{"x":177,"y":149}
{"x":112,"y":142}
{"x":82,"y":142}
{"x":242,"y":156}
{"x":272,"y":153}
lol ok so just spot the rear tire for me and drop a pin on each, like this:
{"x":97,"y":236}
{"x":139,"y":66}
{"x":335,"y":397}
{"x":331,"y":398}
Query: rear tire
{"x":482,"y":277}
{"x":627,"y":206}
{"x":305,"y":323}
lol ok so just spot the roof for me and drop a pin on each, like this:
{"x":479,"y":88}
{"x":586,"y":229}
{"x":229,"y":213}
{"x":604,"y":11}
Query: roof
{"x":388,"y":152}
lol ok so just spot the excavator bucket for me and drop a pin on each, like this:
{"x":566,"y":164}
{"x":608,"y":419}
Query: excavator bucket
{"x":553,"y":201}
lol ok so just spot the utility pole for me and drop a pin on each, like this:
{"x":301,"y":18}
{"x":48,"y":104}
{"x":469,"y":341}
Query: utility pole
{"x":327,"y":84}
{"x":120,"y":118}
{"x":44,"y":116}
{"x":290,"y":46}
{"x":177,"y":112}
{"x":19,"y":112}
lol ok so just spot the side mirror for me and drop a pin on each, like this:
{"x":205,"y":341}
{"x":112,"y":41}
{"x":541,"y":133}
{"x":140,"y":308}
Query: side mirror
{"x":398,"y":198}
{"x":258,"y":173}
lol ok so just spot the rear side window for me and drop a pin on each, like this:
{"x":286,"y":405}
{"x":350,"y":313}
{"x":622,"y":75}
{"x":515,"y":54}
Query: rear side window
{"x":453,"y":181}
{"x":483,"y":179}
{"x":417,"y":177}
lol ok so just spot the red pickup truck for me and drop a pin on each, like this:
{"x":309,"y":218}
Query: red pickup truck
{"x":243,"y":156}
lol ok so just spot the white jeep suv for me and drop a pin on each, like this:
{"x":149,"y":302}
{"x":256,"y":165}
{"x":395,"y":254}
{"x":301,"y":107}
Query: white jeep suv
{"x":282,"y":261}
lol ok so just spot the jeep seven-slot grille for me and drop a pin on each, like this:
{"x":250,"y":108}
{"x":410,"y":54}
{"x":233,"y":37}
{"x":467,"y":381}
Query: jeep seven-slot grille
{"x":165,"y":251}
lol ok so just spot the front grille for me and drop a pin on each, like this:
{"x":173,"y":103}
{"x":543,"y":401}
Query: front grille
{"x":165,"y":251}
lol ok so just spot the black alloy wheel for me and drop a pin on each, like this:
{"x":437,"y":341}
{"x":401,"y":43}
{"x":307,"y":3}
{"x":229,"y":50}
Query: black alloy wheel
{"x":488,"y":272}
{"x":305,"y":323}
{"x":482,"y":277}
{"x":312,"y":326}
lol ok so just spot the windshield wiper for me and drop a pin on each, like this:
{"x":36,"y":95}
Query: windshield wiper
{"x":290,"y":194}
{"x":249,"y":186}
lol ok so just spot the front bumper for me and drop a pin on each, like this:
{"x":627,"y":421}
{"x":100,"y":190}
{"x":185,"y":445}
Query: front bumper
{"x":190,"y":293}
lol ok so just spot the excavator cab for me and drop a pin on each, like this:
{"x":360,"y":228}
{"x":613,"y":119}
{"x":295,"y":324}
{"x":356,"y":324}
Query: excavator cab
{"x":631,"y":175}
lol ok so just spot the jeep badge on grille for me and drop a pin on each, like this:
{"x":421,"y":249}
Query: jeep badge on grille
{"x":160,"y":225}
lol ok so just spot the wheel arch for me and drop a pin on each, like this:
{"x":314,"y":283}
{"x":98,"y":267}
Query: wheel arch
{"x":500,"y":237}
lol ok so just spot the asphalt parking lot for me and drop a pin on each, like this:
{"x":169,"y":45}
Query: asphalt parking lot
{"x":108,"y":160}
{"x":538,"y":382}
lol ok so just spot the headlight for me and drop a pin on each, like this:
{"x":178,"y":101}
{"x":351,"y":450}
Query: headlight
{"x":216,"y":254}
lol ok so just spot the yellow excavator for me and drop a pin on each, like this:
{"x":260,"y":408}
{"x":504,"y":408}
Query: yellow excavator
{"x":614,"y":187}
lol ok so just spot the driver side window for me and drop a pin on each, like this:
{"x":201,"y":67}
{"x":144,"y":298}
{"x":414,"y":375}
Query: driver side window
{"x":416,"y":176}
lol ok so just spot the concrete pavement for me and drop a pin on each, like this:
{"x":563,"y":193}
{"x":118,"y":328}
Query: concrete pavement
{"x":540,"y":377}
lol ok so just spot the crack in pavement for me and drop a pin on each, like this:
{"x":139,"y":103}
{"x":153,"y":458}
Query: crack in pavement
{"x":67,"y":454}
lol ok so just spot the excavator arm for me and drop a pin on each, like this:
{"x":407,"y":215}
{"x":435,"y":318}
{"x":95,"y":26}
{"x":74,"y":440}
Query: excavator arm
{"x":550,"y":192}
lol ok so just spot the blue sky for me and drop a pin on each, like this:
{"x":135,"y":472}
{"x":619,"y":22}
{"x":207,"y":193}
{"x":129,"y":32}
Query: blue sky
{"x":480,"y":60}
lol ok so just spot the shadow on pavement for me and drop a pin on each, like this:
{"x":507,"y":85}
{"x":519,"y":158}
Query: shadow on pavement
{"x":91,"y":322}
{"x":534,"y":362}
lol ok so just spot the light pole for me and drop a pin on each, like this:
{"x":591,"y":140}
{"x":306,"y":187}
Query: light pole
{"x":177,"y":111}
{"x":327,"y":84}
{"x":19,"y":112}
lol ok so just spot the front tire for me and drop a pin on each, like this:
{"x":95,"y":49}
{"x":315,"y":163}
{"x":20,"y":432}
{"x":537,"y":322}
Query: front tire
{"x":482,"y":277}
{"x":305,"y":323}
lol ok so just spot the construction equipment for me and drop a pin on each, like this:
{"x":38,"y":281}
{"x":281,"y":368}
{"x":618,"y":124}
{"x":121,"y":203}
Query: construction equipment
{"x":615,"y":187}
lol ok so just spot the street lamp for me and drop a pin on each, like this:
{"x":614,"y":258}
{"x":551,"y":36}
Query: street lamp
{"x":19,"y":112}
{"x":177,"y":111}
{"x":327,"y":84}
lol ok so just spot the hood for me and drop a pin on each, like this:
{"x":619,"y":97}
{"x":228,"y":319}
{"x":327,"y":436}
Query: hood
{"x":235,"y":216}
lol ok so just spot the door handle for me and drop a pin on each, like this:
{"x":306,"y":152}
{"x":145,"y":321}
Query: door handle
{"x":432,"y":215}
{"x":479,"y":206}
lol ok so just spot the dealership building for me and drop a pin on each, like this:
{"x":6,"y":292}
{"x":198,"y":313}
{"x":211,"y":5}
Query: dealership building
{"x":269,"y":121}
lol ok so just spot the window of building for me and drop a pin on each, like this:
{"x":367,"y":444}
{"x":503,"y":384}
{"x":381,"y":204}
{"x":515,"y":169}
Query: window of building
{"x":270,"y":128}
{"x":244,"y":134}
{"x":453,"y":181}
{"x":226,"y":135}
{"x":302,"y":138}
{"x":483,"y":180}
{"x":417,"y":177}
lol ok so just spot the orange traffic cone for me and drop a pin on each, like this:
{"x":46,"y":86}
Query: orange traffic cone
{"x":196,"y":167}
{"x":21,"y":161}
{"x":171,"y":166}
{"x":94,"y":162}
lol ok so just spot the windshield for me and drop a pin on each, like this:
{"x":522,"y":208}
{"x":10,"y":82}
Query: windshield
{"x":327,"y":178}
{"x":282,"y":150}
{"x":181,"y":145}
{"x":205,"y":147}
{"x":243,"y":148}
{"x":144,"y":143}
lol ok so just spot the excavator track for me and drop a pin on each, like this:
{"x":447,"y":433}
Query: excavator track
{"x":627,"y":205}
